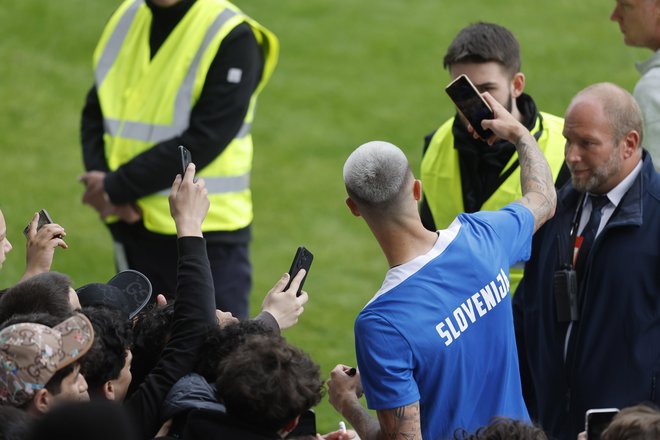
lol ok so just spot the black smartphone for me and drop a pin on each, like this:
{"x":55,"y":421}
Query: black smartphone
{"x":471,"y":104}
{"x":302,"y":260}
{"x":596,"y":420}
{"x":44,"y":219}
{"x":306,"y":425}
{"x":186,"y":158}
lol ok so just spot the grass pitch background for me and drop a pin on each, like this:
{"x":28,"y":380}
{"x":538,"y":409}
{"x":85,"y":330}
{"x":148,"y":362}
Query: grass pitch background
{"x":349,"y":72}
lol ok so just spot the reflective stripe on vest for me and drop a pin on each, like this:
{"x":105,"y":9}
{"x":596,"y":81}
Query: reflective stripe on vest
{"x":221,"y":184}
{"x":154,"y":133}
{"x":441,"y":178}
{"x":143,"y":107}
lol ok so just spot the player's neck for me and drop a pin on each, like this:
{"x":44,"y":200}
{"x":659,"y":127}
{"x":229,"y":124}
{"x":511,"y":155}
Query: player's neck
{"x":402,"y":243}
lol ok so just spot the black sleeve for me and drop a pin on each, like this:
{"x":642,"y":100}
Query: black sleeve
{"x":214,"y":121}
{"x":563,"y":176}
{"x":425,"y":215}
{"x":523,"y":365}
{"x":194,"y":314}
{"x":424,"y":210}
{"x":91,"y":134}
{"x":268,"y":321}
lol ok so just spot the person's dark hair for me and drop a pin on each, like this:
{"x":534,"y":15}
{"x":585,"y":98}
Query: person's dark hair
{"x":37,"y":318}
{"x":640,"y":422}
{"x":503,"y":428}
{"x":44,"y":293}
{"x":112,"y":338}
{"x":15,"y":424}
{"x":151,"y":331}
{"x":54,"y":385}
{"x":484,"y":42}
{"x":267,"y":382}
{"x":97,"y":419}
{"x":220,"y":342}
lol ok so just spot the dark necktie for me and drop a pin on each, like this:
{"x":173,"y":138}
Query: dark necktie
{"x":589,"y":231}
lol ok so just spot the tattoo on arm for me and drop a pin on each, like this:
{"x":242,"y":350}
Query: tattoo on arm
{"x":536,"y":181}
{"x":400,"y":423}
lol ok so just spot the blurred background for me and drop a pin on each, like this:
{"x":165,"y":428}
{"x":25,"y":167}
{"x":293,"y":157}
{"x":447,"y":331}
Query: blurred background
{"x":350,"y":71}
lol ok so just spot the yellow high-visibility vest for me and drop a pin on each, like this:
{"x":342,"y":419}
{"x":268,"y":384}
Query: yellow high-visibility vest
{"x":441,"y":175}
{"x":145,"y":101}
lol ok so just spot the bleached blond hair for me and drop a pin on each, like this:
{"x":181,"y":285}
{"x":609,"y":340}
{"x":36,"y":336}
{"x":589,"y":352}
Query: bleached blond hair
{"x":375,"y":174}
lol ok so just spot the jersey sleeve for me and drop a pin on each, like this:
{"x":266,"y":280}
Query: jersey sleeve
{"x":514,"y":225}
{"x":386,"y":363}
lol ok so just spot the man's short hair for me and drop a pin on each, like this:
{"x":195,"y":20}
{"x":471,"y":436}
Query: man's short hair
{"x":44,"y":293}
{"x":32,"y":354}
{"x":375,"y":174}
{"x":484,"y":42}
{"x":503,"y":428}
{"x":112,"y":339}
{"x":638,"y":422}
{"x":267,"y":382}
{"x":620,"y":108}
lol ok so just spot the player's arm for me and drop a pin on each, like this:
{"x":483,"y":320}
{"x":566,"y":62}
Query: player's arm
{"x":536,"y":180}
{"x":344,"y":390}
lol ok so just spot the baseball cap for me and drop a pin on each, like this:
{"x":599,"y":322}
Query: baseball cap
{"x":128,"y":291}
{"x":31,"y":354}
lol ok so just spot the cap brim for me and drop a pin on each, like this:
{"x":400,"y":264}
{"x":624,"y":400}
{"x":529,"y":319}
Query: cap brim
{"x":136,"y":288}
{"x":77,"y":338}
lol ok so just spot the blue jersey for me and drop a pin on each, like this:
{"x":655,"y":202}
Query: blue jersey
{"x":440,"y":329}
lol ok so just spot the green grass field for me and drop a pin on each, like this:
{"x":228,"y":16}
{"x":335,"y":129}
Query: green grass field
{"x":349,"y":72}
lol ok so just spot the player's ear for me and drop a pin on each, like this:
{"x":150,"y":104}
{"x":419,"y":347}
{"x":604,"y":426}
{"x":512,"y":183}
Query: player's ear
{"x":353,"y":207}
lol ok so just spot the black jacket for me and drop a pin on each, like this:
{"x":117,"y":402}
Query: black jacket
{"x":215,"y":425}
{"x":194,"y":314}
{"x":613,"y":357}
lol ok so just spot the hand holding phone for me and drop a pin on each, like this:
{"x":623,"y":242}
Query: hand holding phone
{"x":596,"y":420}
{"x":302,"y":260}
{"x":186,"y":158}
{"x":44,"y":219}
{"x":43,"y":236}
{"x":471,"y":104}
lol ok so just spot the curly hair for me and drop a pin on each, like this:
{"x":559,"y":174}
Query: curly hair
{"x":220,"y":342}
{"x":267,"y":383}
{"x":503,"y":428}
{"x":151,"y":331}
{"x":112,"y":340}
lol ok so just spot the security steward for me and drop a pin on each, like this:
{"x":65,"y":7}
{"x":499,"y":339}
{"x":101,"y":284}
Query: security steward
{"x":170,"y":73}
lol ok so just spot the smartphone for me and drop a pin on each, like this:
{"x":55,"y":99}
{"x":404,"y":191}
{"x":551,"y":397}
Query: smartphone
{"x":302,"y":260}
{"x":44,"y":219}
{"x":471,"y":104}
{"x":596,"y":420}
{"x":306,"y":425}
{"x":186,"y":158}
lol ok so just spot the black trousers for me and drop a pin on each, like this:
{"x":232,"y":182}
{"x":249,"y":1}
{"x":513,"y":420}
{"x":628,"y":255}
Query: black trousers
{"x":157,"y":259}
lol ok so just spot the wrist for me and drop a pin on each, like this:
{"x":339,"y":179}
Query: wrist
{"x":346,"y":404}
{"x":187,"y":226}
{"x":521,"y":137}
